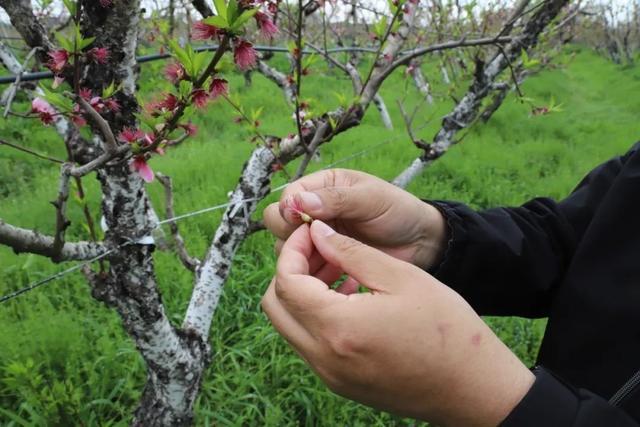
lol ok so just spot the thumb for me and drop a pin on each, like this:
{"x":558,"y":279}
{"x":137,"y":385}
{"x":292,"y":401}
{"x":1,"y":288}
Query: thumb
{"x":368,"y":266}
{"x":328,"y":203}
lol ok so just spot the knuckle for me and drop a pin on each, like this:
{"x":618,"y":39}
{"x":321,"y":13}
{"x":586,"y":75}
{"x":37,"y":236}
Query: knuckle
{"x":337,"y":197}
{"x":344,"y":344}
{"x":281,"y":290}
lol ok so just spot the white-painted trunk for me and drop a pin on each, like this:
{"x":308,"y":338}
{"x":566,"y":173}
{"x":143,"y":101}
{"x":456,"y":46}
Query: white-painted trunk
{"x":409,"y":174}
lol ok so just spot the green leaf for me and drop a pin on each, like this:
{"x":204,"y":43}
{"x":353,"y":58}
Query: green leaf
{"x":232,"y":11}
{"x":181,"y":55}
{"x":64,"y":42}
{"x":221,"y":7}
{"x":184,"y":89}
{"x":217,"y":21}
{"x":243,"y":18}
{"x":71,"y":6}
{"x":82,"y":43}
{"x":57,"y":100}
{"x":380,"y":27}
{"x":199,"y":63}
{"x":108,"y":91}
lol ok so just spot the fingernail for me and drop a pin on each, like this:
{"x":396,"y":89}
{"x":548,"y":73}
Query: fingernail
{"x":323,"y":229}
{"x":310,"y":201}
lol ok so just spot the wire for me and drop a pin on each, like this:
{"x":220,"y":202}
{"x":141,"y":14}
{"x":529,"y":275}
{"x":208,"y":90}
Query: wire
{"x":77,"y":267}
{"x":40,"y":75}
{"x":54,"y":277}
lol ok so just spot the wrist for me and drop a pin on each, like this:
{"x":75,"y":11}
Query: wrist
{"x":433,"y":237}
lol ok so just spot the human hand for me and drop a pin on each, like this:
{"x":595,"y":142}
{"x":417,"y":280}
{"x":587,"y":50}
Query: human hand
{"x":411,"y":346}
{"x":366,"y":208}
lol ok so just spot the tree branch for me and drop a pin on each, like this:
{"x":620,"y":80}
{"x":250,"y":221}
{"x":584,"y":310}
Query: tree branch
{"x":30,"y":241}
{"x":61,"y":207}
{"x":189,"y":262}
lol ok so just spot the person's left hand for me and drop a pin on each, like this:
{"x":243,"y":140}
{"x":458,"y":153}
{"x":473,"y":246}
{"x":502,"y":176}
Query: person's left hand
{"x":411,"y":346}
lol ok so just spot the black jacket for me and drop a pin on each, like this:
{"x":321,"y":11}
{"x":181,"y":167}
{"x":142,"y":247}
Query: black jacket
{"x":576,"y":262}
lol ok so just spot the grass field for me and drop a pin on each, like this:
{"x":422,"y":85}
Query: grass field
{"x":64,"y":359}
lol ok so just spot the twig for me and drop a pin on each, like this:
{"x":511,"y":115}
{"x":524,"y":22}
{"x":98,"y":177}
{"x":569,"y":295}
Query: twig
{"x":61,"y":206}
{"x":14,"y":87}
{"x":188,"y":261}
{"x":99,"y":161}
{"x":408,"y":121}
{"x":318,"y":138}
{"x":298,"y":65}
{"x":110,"y":141}
{"x":33,"y":153}
{"x":266,"y":143}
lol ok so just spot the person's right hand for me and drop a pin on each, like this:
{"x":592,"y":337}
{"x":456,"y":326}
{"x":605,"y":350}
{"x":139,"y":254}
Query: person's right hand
{"x":366,"y":208}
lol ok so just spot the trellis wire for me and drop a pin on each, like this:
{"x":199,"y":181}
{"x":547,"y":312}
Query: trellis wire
{"x":40,"y":75}
{"x":77,"y":267}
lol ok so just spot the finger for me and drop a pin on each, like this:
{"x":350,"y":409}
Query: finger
{"x":278,"y":246}
{"x":328,"y":273}
{"x":368,"y":266}
{"x":319,"y":182}
{"x":296,"y":289}
{"x":296,"y":252}
{"x":330,"y":203}
{"x":318,"y":267}
{"x":284,"y":323}
{"x":348,"y":287}
{"x":276,"y":224}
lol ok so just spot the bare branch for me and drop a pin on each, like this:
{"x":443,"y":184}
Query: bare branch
{"x":99,"y":161}
{"x":189,"y":262}
{"x":61,"y":207}
{"x":313,"y":146}
{"x":110,"y":141}
{"x":22,"y":18}
{"x":31,"y":152}
{"x":30,"y":241}
{"x":13,"y":89}
{"x":202,"y":7}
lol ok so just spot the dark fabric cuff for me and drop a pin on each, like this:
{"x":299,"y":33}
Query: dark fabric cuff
{"x":551,"y":402}
{"x":456,"y":240}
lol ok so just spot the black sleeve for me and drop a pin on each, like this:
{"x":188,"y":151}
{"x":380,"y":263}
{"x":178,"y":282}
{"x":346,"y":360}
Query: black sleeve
{"x":552,"y":403}
{"x":509,"y":261}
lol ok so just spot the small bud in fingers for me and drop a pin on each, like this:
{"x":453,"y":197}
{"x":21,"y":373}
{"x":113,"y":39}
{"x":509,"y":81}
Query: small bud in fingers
{"x":297,"y":211}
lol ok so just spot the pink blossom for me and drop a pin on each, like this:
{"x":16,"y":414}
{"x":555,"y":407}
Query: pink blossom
{"x":78,"y":120}
{"x":106,"y":3}
{"x":85,"y":93}
{"x":295,"y":206}
{"x":140,"y":165}
{"x":218,"y":87}
{"x":148,"y":139}
{"x":58,"y":60}
{"x":43,"y":109}
{"x":174,"y":72}
{"x":189,"y":128}
{"x":202,"y":31}
{"x":112,"y":104}
{"x":199,"y":98}
{"x":97,"y":103}
{"x":169,"y":103}
{"x":130,"y":135}
{"x":244,"y":55}
{"x":267,"y":28}
{"x":99,"y":54}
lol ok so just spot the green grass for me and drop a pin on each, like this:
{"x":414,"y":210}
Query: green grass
{"x":64,"y":359}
